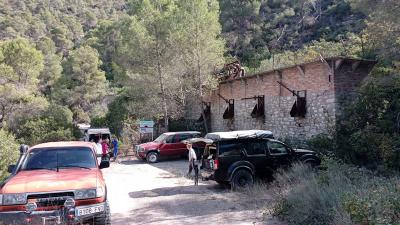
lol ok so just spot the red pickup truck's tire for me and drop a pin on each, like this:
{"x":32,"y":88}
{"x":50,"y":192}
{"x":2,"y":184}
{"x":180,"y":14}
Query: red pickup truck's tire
{"x":105,"y":218}
{"x":152,"y":157}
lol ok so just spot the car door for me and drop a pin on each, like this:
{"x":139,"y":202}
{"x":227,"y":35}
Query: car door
{"x":168,"y":147}
{"x":279,"y":154}
{"x":256,"y":153}
{"x":229,"y":152}
{"x":181,"y":147}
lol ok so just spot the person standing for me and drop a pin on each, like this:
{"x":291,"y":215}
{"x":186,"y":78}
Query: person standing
{"x":105,"y":147}
{"x":115,"y":147}
{"x":192,"y":162}
{"x":99,"y":149}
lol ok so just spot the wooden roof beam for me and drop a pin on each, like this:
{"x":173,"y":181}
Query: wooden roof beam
{"x":301,"y":70}
{"x":355,"y":65}
{"x":338,"y":63}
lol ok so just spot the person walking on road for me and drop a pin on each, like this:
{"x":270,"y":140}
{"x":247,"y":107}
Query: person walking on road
{"x":192,"y":162}
{"x":115,"y":147}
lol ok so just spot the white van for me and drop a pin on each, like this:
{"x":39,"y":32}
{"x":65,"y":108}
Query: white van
{"x":92,"y":133}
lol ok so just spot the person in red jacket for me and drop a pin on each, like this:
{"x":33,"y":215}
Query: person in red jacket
{"x":104,"y":147}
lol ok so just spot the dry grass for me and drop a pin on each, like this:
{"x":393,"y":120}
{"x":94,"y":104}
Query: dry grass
{"x":341,"y":194}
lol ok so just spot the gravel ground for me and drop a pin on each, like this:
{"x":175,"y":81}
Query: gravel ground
{"x":141,"y":193}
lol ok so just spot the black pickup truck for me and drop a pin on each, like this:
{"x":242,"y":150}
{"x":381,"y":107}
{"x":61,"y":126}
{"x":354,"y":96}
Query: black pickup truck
{"x":237,"y":157}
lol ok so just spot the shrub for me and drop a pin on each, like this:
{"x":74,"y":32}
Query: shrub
{"x":322,"y":143}
{"x":369,"y":131}
{"x":54,"y":124}
{"x":8,"y":152}
{"x":341,"y":194}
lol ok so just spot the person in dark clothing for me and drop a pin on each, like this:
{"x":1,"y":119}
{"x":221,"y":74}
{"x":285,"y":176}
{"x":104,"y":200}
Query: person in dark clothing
{"x":115,"y":147}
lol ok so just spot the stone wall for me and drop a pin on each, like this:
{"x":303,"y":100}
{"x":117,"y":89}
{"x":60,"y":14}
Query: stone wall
{"x":320,"y":116}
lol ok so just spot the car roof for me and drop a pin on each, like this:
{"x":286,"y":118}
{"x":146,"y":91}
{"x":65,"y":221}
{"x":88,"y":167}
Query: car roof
{"x":98,"y":131}
{"x":64,"y":144}
{"x":240,"y":134}
{"x":182,"y":132}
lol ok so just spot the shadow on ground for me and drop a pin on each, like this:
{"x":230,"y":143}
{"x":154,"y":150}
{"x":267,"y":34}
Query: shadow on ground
{"x":177,"y":166}
{"x":179,"y":190}
{"x":179,"y":203}
{"x":193,"y":204}
{"x":131,"y":161}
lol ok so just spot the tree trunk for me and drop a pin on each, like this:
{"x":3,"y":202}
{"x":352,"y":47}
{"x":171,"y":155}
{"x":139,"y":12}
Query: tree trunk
{"x":198,"y":59}
{"x":161,"y":80}
{"x":2,"y":115}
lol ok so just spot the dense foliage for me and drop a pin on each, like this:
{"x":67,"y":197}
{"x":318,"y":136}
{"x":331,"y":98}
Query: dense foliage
{"x":258,"y":29}
{"x":172,"y":51}
{"x":9,"y":152}
{"x":53,"y":124}
{"x":65,"y":22}
{"x":151,"y":55}
{"x":370,"y":135}
{"x":20,"y":66}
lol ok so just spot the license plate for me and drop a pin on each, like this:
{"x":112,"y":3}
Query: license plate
{"x":89,"y":210}
{"x":51,"y":220}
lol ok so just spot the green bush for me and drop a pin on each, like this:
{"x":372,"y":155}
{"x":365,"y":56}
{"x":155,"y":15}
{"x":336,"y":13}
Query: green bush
{"x":369,"y":132}
{"x":54,"y":124}
{"x":322,"y":143}
{"x":341,"y":194}
{"x":8,"y":152}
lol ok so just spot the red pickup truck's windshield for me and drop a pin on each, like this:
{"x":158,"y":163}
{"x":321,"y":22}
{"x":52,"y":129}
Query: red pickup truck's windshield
{"x":60,"y":158}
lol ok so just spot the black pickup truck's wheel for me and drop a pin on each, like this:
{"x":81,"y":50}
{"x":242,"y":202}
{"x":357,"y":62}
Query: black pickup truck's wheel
{"x":242,"y":179}
{"x":152,"y":157}
{"x":103,"y":219}
{"x":312,"y":164}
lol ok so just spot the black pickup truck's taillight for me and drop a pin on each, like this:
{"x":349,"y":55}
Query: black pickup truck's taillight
{"x":216,"y":164}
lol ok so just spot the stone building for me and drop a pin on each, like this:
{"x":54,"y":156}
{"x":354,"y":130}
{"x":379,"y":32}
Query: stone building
{"x":298,"y":101}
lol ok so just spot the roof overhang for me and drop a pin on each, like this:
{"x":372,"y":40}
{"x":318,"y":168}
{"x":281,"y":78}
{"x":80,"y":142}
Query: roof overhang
{"x":337,"y":61}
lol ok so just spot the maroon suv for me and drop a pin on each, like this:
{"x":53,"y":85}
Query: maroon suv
{"x":166,"y":145}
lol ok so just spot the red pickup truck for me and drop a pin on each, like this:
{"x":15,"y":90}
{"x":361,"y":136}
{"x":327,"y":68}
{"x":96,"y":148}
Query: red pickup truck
{"x":166,"y":145}
{"x":55,"y":183}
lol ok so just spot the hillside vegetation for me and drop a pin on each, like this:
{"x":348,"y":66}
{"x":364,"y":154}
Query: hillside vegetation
{"x":113,"y":62}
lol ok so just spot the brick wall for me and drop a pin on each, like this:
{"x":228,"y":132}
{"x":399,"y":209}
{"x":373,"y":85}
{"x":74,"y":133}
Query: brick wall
{"x":347,"y":80}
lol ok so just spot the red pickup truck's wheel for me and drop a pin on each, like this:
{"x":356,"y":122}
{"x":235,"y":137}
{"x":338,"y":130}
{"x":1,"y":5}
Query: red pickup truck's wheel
{"x":152,"y":157}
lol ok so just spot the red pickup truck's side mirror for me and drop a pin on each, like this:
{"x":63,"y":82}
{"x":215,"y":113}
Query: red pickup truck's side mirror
{"x":104,"y":164}
{"x":23,"y":149}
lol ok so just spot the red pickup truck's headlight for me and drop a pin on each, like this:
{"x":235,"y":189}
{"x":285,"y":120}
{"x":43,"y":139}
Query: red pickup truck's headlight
{"x":85,"y":194}
{"x":140,"y":148}
{"x":13,"y":199}
{"x":90,"y":193}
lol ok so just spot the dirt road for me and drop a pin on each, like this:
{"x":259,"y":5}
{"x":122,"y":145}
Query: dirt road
{"x":140,"y":193}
